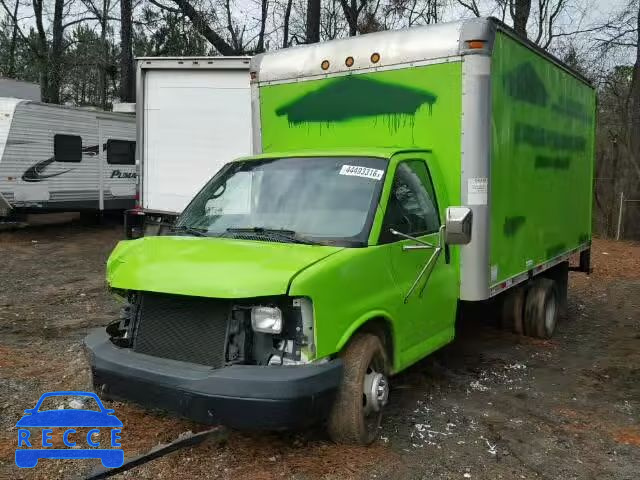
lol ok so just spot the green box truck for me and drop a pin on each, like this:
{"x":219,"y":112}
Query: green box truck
{"x":397,"y":177}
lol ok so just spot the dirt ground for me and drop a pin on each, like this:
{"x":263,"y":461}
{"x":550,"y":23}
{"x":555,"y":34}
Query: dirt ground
{"x":491,"y":405}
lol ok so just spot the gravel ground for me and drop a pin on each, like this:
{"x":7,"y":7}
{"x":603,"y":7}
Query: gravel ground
{"x":491,"y":405}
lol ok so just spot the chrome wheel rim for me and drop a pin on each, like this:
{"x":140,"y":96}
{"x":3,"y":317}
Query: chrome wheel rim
{"x":376,"y":392}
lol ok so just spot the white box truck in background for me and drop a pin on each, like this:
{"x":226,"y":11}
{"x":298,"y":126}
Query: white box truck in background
{"x":193,"y":116}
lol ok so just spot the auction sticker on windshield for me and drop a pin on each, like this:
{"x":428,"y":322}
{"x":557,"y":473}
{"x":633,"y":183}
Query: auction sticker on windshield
{"x":84,"y":430}
{"x":356,"y":171}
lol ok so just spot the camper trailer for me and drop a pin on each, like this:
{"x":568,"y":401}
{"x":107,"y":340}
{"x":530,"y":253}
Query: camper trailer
{"x":57,"y":158}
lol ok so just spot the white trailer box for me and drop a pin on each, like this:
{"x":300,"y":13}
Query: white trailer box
{"x":193,"y":116}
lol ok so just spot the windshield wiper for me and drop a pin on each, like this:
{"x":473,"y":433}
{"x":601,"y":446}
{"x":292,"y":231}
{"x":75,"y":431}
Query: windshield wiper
{"x":289,"y":235}
{"x":198,"y":232}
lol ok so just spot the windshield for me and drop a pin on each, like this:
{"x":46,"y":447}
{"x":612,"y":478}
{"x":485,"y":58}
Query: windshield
{"x":307,"y":200}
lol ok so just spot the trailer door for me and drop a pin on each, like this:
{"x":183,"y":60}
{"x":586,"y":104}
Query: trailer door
{"x":194,"y":122}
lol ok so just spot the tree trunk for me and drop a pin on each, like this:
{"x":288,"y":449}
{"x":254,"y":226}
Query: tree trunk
{"x":520,"y":10}
{"x":55,"y":54}
{"x":263,"y":24}
{"x":11,"y":67}
{"x":313,"y":21}
{"x":351,"y":12}
{"x":127,"y":74}
{"x":43,"y":51}
{"x":635,"y":105}
{"x":287,"y":17}
{"x":102,"y":62}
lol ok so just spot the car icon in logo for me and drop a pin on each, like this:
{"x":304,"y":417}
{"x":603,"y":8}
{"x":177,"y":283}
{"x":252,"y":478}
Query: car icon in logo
{"x":29,"y":452}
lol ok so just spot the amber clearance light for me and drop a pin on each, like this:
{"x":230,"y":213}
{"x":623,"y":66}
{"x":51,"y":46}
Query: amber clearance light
{"x":375,"y":57}
{"x":325,"y":65}
{"x":349,"y":62}
{"x":475,"y":44}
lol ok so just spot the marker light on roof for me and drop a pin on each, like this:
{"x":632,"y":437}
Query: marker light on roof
{"x":325,"y":65}
{"x":476,"y":44}
{"x":375,"y":57}
{"x":349,"y":62}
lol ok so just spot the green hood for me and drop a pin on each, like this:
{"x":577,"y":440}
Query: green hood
{"x":210,"y":267}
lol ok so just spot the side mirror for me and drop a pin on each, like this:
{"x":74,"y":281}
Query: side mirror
{"x":458,"y":225}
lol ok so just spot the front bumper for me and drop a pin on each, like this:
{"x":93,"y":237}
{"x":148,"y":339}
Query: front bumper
{"x":239,"y":396}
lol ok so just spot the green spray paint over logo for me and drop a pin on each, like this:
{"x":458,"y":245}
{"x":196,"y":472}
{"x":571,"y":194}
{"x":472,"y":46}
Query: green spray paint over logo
{"x":346,"y":98}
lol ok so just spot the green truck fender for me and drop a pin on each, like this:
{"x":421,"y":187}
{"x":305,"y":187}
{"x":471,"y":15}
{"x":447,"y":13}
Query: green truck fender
{"x":348,"y":289}
{"x":378,"y":322}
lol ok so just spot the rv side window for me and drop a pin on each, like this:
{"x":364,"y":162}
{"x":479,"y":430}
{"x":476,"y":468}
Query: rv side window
{"x":121,"y":152}
{"x":67,"y":148}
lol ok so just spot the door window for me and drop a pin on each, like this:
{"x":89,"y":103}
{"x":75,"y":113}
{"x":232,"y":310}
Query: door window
{"x":412,"y":207}
{"x":67,"y":148}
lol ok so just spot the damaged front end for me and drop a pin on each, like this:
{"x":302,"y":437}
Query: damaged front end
{"x":216,"y":332}
{"x":205,"y":357}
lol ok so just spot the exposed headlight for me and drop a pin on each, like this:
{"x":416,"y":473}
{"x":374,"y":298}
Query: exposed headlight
{"x":266,"y":319}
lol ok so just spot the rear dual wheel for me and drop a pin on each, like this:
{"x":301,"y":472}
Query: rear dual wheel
{"x":541,"y":309}
{"x":513,"y":310}
{"x":357,"y":411}
{"x":532,"y":311}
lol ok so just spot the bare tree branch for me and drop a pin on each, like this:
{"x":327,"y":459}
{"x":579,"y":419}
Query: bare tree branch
{"x":472,"y":6}
{"x":18,"y":29}
{"x":164,"y":7}
{"x":203,"y":28}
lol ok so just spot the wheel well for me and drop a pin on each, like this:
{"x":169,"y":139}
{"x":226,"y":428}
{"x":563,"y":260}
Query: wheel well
{"x":381,"y":327}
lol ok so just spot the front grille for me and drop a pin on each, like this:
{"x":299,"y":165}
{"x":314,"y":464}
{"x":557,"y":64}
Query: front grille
{"x":190,"y":329}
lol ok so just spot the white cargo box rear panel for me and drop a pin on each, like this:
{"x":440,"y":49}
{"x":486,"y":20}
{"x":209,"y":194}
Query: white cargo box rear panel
{"x":194,"y":115}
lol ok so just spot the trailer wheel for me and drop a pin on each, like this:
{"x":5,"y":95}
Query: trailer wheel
{"x":357,"y":411}
{"x":541,"y":309}
{"x":513,"y":310}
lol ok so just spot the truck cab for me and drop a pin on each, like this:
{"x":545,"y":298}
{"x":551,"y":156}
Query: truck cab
{"x":286,"y":275}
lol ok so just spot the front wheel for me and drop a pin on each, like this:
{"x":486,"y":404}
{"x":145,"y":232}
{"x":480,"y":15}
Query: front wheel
{"x":357,"y":411}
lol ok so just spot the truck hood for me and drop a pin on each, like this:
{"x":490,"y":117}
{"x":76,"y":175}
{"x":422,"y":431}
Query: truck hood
{"x":210,"y":267}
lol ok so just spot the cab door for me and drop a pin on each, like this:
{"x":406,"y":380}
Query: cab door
{"x":424,"y":277}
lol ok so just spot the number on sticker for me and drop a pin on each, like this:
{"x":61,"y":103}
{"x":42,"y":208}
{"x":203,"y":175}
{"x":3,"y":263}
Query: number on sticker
{"x":364,"y":172}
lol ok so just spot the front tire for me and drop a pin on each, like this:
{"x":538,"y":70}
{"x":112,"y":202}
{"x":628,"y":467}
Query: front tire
{"x":357,"y":411}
